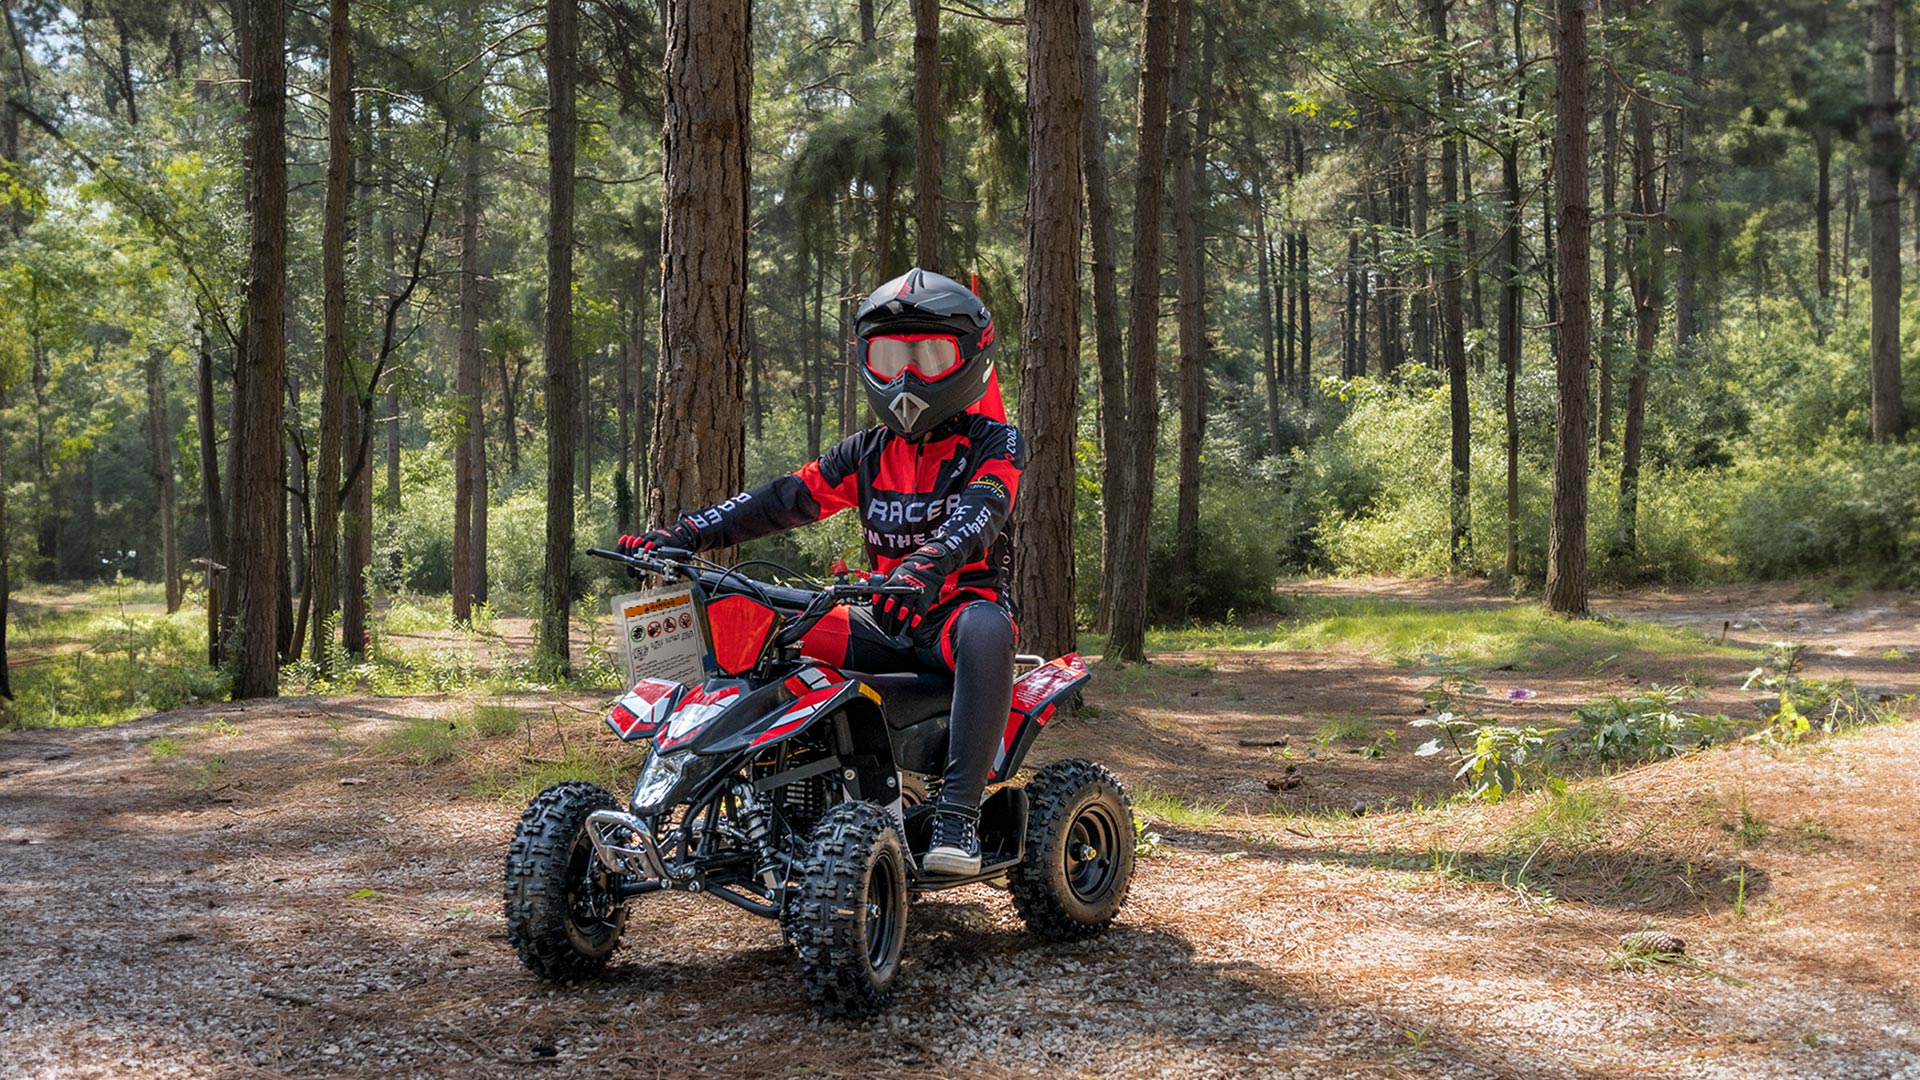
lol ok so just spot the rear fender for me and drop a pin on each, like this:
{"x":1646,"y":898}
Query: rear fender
{"x":1037,"y":695}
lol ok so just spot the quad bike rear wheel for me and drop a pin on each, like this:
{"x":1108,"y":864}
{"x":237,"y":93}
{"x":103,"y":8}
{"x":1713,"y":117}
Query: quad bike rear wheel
{"x":1079,"y":860}
{"x":848,"y":922}
{"x":562,"y":916}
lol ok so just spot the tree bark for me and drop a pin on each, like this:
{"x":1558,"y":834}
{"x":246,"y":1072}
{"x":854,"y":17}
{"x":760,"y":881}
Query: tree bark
{"x":1823,"y":218}
{"x":356,"y":522}
{"x":1685,"y":273}
{"x":1609,"y":344}
{"x":1127,"y":577}
{"x":1303,"y":281}
{"x":926,"y":120}
{"x":1050,"y":325}
{"x":324,"y":562}
{"x":1107,"y":345}
{"x":1884,"y":159}
{"x":259,"y":544}
{"x":1567,"y":531}
{"x":160,"y":466}
{"x":1510,"y":295}
{"x":1452,"y":318}
{"x":1647,"y":251}
{"x":467,"y":381}
{"x":1269,"y":356}
{"x":556,"y":585}
{"x":699,"y":409}
{"x":210,"y":496}
{"x":1188,"y":154}
{"x":6,"y":570}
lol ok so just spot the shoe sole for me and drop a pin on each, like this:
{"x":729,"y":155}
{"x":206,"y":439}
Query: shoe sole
{"x":950,"y":863}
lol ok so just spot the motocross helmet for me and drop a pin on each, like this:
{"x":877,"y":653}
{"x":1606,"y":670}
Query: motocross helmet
{"x":926,"y":351}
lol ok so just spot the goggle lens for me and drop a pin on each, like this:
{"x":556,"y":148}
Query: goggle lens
{"x":931,"y":355}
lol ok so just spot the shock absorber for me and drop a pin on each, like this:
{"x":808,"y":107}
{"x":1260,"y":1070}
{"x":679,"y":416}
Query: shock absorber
{"x":758,"y":820}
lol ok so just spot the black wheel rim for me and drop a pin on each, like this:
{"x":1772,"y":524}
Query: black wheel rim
{"x":885,"y":922}
{"x":590,"y":905}
{"x":1092,"y":852}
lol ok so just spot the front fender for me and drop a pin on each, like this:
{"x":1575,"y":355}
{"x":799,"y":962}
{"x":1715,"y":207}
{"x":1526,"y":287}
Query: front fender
{"x":816,"y":692}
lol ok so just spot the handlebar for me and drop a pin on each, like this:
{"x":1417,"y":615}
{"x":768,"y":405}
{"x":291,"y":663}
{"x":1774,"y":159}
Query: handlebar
{"x":674,"y":562}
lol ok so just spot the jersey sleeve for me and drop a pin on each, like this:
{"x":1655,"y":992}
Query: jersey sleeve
{"x":985,"y":503}
{"x":818,"y":490}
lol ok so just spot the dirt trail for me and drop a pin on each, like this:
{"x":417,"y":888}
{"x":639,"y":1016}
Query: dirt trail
{"x":312,"y":908}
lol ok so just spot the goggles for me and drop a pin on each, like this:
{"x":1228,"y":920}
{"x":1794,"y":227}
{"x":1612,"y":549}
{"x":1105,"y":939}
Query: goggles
{"x":932,"y":356}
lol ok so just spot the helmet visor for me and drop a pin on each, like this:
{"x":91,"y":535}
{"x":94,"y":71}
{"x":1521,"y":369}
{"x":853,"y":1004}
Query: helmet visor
{"x":932,"y":356}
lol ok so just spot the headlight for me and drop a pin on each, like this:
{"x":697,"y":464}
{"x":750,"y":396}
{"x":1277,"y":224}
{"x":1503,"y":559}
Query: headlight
{"x":658,"y":779}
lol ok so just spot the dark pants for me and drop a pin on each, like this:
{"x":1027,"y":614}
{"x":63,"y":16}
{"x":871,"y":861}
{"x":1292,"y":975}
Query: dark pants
{"x":975,"y":642}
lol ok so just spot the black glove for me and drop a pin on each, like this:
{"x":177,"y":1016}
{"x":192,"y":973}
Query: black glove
{"x":681,"y":534}
{"x":900,"y":614}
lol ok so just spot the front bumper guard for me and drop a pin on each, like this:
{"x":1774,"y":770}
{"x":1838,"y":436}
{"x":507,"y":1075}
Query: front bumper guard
{"x":638,"y":858}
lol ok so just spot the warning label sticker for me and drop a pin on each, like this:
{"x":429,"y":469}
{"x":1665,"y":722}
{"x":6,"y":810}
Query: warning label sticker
{"x":659,"y":635}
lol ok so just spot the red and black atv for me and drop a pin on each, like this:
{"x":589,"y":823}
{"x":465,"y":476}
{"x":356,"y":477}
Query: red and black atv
{"x":798,"y":791}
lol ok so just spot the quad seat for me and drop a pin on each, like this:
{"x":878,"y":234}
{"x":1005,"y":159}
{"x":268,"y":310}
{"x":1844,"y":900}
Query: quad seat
{"x":911,"y":697}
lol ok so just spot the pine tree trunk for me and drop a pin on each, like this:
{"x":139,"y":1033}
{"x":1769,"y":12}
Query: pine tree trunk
{"x":1269,"y":358}
{"x":1050,"y":328}
{"x":1648,"y":243}
{"x":467,"y":380}
{"x":1452,"y":317}
{"x":1188,"y":153}
{"x":1422,"y":303}
{"x":356,"y":523}
{"x":1884,"y":158}
{"x":6,"y":571}
{"x":1609,"y":251}
{"x":1688,"y":154}
{"x":556,"y":584}
{"x":1510,"y":296}
{"x":1108,"y":357}
{"x":699,"y":418}
{"x":160,"y":467}
{"x":324,"y":562}
{"x":253,"y":623}
{"x":1823,"y":219}
{"x":210,"y":498}
{"x":1127,"y":577}
{"x":926,"y":121}
{"x":1303,"y":281}
{"x":1567,"y":531}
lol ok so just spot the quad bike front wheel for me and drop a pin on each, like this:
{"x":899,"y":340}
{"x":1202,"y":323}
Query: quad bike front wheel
{"x":562,"y":916}
{"x":848,"y":921}
{"x":1079,"y":861}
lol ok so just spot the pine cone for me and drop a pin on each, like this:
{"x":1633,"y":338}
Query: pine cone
{"x":1651,"y":943}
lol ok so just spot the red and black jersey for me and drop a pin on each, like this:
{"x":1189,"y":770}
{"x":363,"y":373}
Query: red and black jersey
{"x":952,"y":492}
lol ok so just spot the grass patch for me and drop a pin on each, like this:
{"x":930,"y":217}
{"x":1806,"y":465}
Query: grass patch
{"x":1522,"y":635}
{"x":105,"y":654}
{"x":423,"y":740}
{"x":520,"y":782}
{"x":490,"y":720}
{"x":1175,"y":810}
{"x":1344,"y":729}
{"x":1566,"y":819}
{"x":164,"y":748}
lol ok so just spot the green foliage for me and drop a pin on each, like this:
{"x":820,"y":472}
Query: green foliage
{"x":1644,"y":726}
{"x":1174,"y":809}
{"x":1494,"y":760}
{"x":1566,"y":819}
{"x":518,"y":783}
{"x":106,"y":655}
{"x":423,"y":740}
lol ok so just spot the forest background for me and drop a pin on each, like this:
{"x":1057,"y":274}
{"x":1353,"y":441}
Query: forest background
{"x":277,"y":292}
